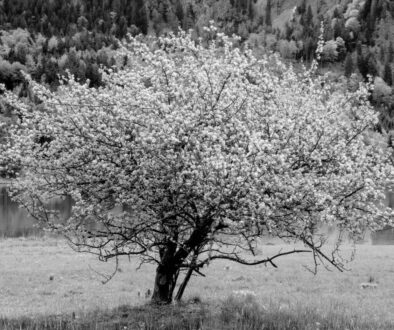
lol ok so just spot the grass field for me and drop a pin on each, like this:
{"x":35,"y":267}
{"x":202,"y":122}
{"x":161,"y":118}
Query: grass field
{"x":42,"y":277}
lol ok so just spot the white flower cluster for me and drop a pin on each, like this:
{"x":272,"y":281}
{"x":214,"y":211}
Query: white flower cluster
{"x":199,"y":141}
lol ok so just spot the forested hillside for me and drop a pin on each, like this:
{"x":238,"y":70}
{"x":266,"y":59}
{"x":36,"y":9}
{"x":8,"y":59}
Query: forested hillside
{"x":48,"y":37}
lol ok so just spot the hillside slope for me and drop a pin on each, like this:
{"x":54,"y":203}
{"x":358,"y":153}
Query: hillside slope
{"x":46,"y":38}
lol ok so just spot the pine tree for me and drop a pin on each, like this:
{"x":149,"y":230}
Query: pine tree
{"x":371,"y":65}
{"x":141,"y":17}
{"x":337,"y":30}
{"x":278,"y":6}
{"x":365,"y":12}
{"x":250,"y":10}
{"x":301,"y":8}
{"x":349,"y":67}
{"x":336,"y":13}
{"x":165,"y":9}
{"x":268,"y":20}
{"x":179,"y":11}
{"x":361,"y":61}
{"x":388,"y":74}
{"x":309,"y":16}
{"x":302,"y":20}
{"x":116,"y":6}
{"x":328,"y":31}
{"x":381,"y":54}
{"x":189,"y":17}
{"x":122,"y":27}
{"x":369,"y":29}
{"x":309,"y":48}
{"x":390,"y":53}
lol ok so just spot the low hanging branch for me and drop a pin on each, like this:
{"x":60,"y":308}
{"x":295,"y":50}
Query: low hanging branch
{"x":241,"y":261}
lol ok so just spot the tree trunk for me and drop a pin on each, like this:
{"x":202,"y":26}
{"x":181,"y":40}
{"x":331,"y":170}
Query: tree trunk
{"x":165,"y":281}
{"x":170,"y":262}
{"x":188,"y":275}
{"x":182,"y":288}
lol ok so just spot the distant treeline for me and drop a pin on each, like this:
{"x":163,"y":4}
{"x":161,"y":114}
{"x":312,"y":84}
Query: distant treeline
{"x":49,"y":37}
{"x":64,"y":18}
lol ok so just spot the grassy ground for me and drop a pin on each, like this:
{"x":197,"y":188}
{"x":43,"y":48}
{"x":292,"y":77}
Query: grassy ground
{"x":42,"y":277}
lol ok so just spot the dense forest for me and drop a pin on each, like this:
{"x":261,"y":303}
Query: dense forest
{"x":46,"y":38}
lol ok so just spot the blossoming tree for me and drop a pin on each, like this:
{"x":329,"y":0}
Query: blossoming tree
{"x":193,"y":152}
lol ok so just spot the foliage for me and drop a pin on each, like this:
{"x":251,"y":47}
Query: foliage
{"x":330,"y":51}
{"x":46,"y":58}
{"x":353,"y":24}
{"x":91,"y":25}
{"x":193,"y":152}
{"x":381,"y":89}
{"x":287,"y":49}
{"x":56,"y":17}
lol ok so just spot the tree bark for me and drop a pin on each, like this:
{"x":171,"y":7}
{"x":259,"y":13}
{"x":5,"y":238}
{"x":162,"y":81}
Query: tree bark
{"x":186,"y":280}
{"x":182,"y":288}
{"x":170,"y":262}
{"x":165,"y":280}
{"x":166,"y":275}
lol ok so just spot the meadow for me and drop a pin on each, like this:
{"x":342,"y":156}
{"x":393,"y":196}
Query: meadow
{"x":46,"y":285}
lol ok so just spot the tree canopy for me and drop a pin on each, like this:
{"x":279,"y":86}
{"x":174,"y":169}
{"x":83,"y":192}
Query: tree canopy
{"x":196,"y":151}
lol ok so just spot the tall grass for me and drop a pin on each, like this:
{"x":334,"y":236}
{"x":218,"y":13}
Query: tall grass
{"x":237,"y":312}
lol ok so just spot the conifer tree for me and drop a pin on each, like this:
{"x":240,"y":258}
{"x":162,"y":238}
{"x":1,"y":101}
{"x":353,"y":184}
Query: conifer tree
{"x":390,"y":53}
{"x":371,"y":65}
{"x":268,"y":19}
{"x":141,"y":18}
{"x":309,"y":16}
{"x":337,"y":30}
{"x":122,"y":27}
{"x":349,"y":67}
{"x":381,"y":54}
{"x":278,"y":6}
{"x":336,"y":13}
{"x":301,"y":8}
{"x":250,"y":10}
{"x":388,"y":74}
{"x":179,"y":11}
